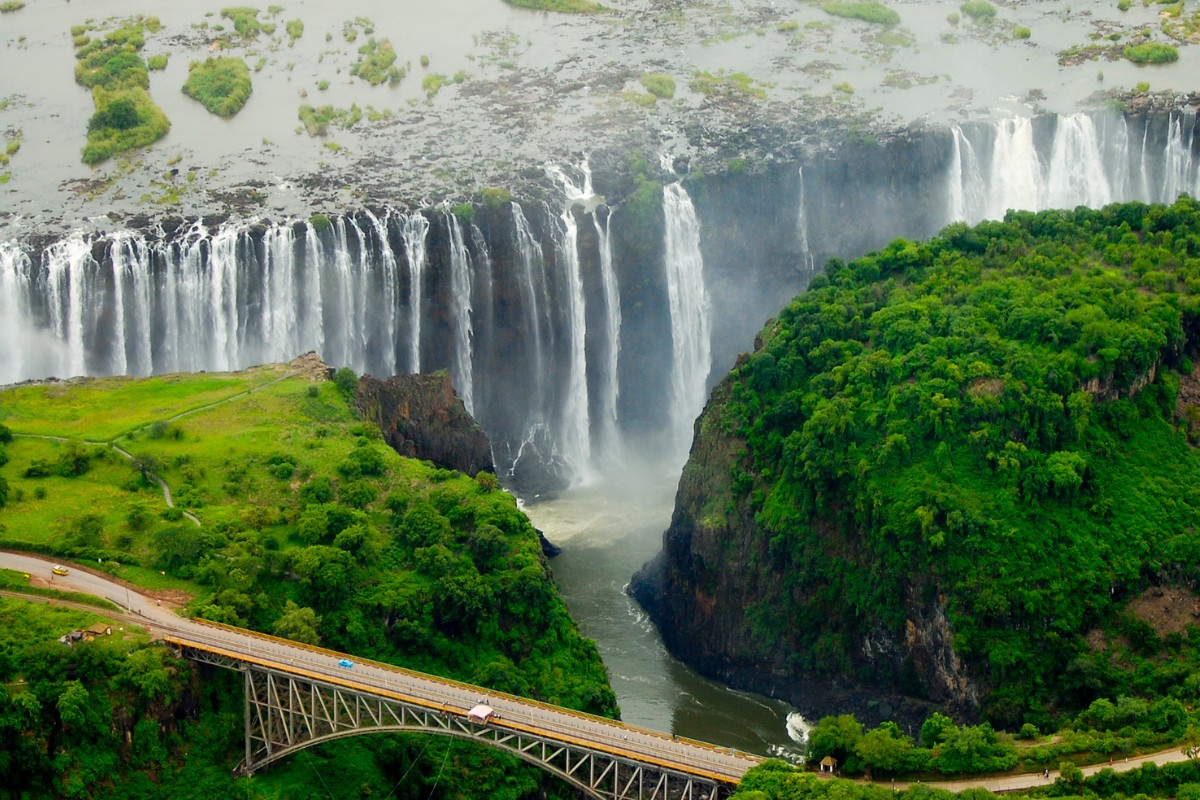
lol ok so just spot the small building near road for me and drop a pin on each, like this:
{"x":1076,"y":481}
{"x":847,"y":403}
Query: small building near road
{"x":100,"y":629}
{"x":828,"y":764}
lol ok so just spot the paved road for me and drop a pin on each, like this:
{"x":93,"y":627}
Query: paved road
{"x":553,"y":722}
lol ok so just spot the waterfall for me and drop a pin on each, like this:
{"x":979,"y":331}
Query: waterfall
{"x":1076,"y":170}
{"x":279,"y":289}
{"x":389,"y":299}
{"x":460,"y":287}
{"x":529,"y":257}
{"x":416,"y":227}
{"x":526,"y":312}
{"x":69,"y":267}
{"x":1067,"y":161}
{"x":16,"y":356}
{"x":314,"y":306}
{"x":691,"y":325}
{"x":609,"y":385}
{"x":576,"y":433}
{"x":802,"y":226}
{"x":1179,"y":169}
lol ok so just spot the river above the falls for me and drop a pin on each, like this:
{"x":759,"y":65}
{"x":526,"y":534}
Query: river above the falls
{"x":607,"y":530}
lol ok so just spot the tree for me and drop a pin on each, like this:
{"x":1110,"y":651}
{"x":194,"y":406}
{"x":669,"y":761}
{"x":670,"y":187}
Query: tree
{"x":934,"y":729}
{"x":298,"y":623}
{"x":73,"y":704}
{"x":834,"y":736}
{"x":138,"y":517}
{"x":317,"y":491}
{"x":346,"y":381}
{"x":1191,"y":743}
{"x":3,"y":492}
{"x":147,"y":673}
{"x":85,"y":531}
{"x":179,"y":547}
{"x":884,"y":748}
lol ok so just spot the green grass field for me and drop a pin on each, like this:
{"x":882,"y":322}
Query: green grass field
{"x":105,"y":408}
{"x":234,"y":449}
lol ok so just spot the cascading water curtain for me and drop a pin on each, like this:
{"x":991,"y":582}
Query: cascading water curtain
{"x":1088,"y":159}
{"x":691,"y":323}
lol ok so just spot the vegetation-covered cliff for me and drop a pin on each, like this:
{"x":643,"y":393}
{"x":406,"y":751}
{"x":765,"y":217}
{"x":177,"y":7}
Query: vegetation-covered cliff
{"x":962,"y":470}
{"x":304,"y":524}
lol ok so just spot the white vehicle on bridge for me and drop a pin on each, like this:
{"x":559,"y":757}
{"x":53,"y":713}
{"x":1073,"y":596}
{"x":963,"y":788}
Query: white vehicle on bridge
{"x":481,"y":713}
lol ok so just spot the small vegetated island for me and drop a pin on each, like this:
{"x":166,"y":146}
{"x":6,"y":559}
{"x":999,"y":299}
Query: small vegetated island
{"x":222,"y":84}
{"x":963,"y":471}
{"x":311,"y":528}
{"x":109,"y":63}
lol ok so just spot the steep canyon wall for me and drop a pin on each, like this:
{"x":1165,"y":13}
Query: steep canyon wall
{"x":564,"y":321}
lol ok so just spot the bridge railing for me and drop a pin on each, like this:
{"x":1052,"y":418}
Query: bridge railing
{"x":583,"y":715}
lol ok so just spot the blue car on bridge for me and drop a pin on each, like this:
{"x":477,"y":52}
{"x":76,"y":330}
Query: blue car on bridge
{"x":345,"y":662}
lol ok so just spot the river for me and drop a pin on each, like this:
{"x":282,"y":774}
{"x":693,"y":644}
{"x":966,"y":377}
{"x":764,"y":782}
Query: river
{"x":608,"y":529}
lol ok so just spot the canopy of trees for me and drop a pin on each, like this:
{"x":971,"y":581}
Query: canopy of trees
{"x":996,"y":424}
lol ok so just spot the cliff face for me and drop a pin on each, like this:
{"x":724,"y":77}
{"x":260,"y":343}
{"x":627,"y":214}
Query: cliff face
{"x":714,"y":591}
{"x":920,"y":486}
{"x":421,"y":417}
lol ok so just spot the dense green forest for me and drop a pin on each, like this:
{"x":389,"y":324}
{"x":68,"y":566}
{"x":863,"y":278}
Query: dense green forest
{"x":310,"y":528}
{"x":775,"y":780}
{"x":997,"y":426}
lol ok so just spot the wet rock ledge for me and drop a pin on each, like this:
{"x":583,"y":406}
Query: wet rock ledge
{"x":421,"y":417}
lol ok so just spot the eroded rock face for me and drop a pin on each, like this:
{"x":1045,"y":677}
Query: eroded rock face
{"x":712,"y":590}
{"x":422,"y":417}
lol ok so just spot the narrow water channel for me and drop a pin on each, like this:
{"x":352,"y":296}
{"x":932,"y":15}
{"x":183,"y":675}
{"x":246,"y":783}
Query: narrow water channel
{"x":607,"y":531}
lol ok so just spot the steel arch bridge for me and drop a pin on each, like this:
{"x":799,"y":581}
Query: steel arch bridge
{"x":286,"y":711}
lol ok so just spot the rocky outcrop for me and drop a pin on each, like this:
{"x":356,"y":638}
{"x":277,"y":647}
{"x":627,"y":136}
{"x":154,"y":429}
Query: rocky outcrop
{"x":714,"y":589}
{"x":421,"y":417}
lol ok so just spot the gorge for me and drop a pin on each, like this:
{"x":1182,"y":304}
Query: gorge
{"x":572,"y":326}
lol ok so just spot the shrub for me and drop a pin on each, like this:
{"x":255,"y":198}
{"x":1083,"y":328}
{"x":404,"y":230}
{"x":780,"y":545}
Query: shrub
{"x":659,"y":85}
{"x":953,"y":18}
{"x":295,"y":29}
{"x":432,"y":84}
{"x":563,"y":6}
{"x":1021,"y":32}
{"x":496,"y":196}
{"x":377,"y":63}
{"x":316,"y":491}
{"x":1124,"y":5}
{"x":978,"y":10}
{"x":1151,"y":53}
{"x":136,"y":121}
{"x":245,"y":20}
{"x":158,"y":62}
{"x":9,"y":6}
{"x":346,"y":381}
{"x":867,"y":12}
{"x":222,"y":85}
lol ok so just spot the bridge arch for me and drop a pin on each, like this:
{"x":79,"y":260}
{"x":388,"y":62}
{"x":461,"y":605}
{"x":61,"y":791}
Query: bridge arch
{"x":512,"y":749}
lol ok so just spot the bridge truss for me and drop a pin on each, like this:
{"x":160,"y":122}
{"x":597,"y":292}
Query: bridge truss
{"x":286,"y":712}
